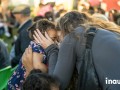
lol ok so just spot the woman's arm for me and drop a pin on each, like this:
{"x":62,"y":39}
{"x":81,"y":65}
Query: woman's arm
{"x":52,"y":54}
{"x":62,"y":64}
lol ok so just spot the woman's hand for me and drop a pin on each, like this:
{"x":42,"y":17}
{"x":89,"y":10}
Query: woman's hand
{"x":37,"y":58}
{"x":37,"y":62}
{"x":43,"y":41}
{"x":27,"y":60}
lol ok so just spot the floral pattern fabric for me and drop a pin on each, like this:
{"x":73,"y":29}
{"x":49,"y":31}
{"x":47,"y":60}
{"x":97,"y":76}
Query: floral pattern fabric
{"x":18,"y":77}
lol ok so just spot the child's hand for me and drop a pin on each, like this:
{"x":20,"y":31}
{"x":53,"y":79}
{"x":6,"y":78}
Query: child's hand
{"x":37,"y":62}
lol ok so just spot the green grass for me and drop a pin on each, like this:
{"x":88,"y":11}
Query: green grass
{"x":9,"y":41}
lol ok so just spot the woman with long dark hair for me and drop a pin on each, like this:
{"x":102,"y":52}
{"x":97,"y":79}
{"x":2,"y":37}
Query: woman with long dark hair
{"x":63,"y":61}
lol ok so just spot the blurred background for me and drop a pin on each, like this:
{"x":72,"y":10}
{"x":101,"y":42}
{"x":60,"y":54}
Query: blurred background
{"x":9,"y":25}
{"x":16,"y":19}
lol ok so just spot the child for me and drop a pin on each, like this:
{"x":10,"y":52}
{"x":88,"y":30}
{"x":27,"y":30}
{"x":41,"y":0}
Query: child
{"x":40,"y":81}
{"x":18,"y":76}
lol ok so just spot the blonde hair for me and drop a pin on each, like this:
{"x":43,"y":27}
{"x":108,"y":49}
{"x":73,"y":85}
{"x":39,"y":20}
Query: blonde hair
{"x":100,"y":16}
{"x":99,"y":23}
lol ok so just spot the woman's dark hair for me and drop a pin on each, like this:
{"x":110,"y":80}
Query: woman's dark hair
{"x":39,"y":81}
{"x":70,"y":21}
{"x":37,"y":18}
{"x":43,"y":25}
{"x":91,"y":10}
{"x":49,"y":16}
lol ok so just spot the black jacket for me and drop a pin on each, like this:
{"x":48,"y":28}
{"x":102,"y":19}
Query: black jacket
{"x":22,"y":42}
{"x":106,"y":55}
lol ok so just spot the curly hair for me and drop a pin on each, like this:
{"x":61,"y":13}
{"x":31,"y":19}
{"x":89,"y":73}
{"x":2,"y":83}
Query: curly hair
{"x":39,"y":81}
{"x":43,"y":25}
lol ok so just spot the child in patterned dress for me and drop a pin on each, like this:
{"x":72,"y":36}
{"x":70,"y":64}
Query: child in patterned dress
{"x":18,"y":77}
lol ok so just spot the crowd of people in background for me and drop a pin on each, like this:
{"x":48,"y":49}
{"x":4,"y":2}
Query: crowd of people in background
{"x":48,"y":48}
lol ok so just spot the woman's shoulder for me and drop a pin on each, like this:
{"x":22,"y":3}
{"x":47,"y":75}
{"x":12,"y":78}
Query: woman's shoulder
{"x":107,"y":33}
{"x":105,"y":38}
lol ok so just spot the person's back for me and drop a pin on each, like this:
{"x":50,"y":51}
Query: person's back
{"x":4,"y":57}
{"x":106,"y":51}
